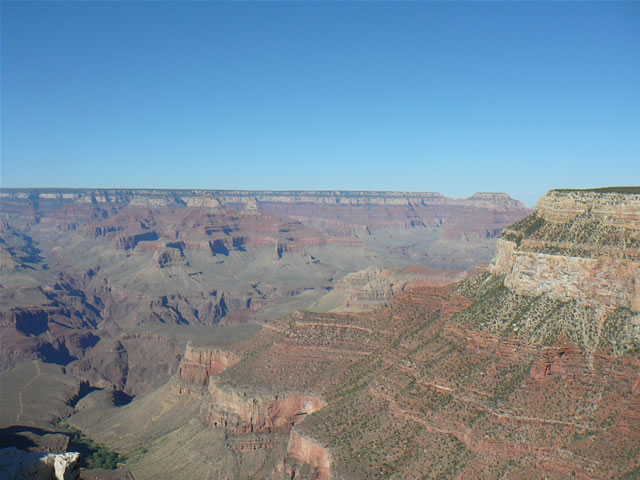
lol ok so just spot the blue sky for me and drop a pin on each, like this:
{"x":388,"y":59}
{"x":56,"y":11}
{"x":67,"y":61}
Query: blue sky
{"x":455,"y":97}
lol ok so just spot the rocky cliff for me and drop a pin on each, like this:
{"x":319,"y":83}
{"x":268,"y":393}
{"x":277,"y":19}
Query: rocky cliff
{"x":217,"y":198}
{"x":374,"y":287}
{"x":18,"y":464}
{"x":244,"y":413}
{"x":579,"y":245}
{"x":200,"y":363}
{"x":114,"y":213}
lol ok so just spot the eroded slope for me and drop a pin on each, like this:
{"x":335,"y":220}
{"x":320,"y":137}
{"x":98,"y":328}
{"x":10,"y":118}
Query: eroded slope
{"x":481,"y":380}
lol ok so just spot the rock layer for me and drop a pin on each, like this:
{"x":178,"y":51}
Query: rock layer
{"x":576,"y":245}
{"x":527,"y":372}
{"x":200,"y":363}
{"x":307,"y":451}
{"x":422,"y":388}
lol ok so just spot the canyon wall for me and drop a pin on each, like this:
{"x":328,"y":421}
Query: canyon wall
{"x":576,"y":245}
{"x":527,"y":371}
{"x":200,"y":363}
{"x":84,"y":268}
{"x":251,"y":417}
{"x":618,"y":209}
{"x":216,"y":198}
{"x":308,"y":451}
{"x":375,"y":287}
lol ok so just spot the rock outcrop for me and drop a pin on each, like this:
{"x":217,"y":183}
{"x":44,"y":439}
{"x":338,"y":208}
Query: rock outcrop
{"x":306,"y":451}
{"x":18,"y":464}
{"x":242,"y":412}
{"x":374,"y":287}
{"x":615,"y":207}
{"x":200,"y":363}
{"x":239,"y":410}
{"x":576,"y":245}
{"x":368,"y":289}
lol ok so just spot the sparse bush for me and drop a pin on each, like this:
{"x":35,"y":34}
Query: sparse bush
{"x":94,"y":455}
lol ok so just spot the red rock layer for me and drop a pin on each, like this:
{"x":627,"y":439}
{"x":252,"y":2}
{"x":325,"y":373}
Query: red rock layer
{"x":409,"y":391}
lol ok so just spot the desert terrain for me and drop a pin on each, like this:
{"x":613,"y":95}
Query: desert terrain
{"x":324,"y":335}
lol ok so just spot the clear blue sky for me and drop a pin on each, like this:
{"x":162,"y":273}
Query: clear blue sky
{"x":449,"y":97}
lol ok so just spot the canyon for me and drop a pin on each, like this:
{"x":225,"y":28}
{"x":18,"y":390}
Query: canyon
{"x":396,"y":342}
{"x":91,"y":277}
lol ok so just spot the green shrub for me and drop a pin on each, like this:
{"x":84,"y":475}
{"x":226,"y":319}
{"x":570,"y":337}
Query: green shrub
{"x":93,"y":455}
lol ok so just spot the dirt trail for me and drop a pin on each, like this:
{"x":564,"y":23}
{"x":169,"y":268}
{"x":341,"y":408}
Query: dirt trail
{"x":23,"y":390}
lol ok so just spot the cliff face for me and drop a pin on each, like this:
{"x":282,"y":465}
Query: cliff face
{"x":373,"y":287}
{"x":252,"y":418}
{"x":257,"y":412}
{"x":616,"y":209}
{"x":306,"y":451}
{"x":200,"y":363}
{"x":217,"y":198}
{"x":576,"y":245}
{"x":134,"y":217}
{"x":240,"y":410}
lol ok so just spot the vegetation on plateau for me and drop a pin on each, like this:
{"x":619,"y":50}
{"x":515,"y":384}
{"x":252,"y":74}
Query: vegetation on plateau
{"x":93,"y":455}
{"x":624,"y":190}
{"x":543,"y":320}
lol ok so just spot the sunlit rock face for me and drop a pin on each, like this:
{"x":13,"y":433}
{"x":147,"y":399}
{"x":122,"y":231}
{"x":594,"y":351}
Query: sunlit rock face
{"x":19,"y":464}
{"x":576,"y":245}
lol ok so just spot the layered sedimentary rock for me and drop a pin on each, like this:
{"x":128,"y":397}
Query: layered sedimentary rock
{"x":306,"y":451}
{"x":616,"y":207}
{"x":131,"y":362}
{"x":239,"y":411}
{"x":200,"y":363}
{"x":481,"y":379}
{"x":374,"y":287}
{"x":85,"y":273}
{"x":576,"y":245}
{"x":142,"y":217}
{"x":257,"y":412}
{"x":426,"y":388}
{"x":527,"y":371}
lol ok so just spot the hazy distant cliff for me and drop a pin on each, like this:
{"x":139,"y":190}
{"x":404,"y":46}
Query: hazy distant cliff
{"x":203,"y":198}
